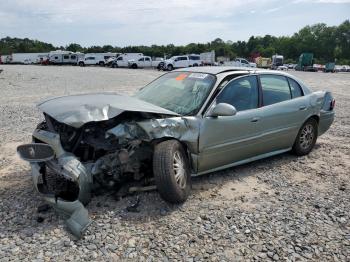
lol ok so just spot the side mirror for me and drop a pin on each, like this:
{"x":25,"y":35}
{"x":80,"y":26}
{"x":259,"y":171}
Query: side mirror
{"x":223,"y":109}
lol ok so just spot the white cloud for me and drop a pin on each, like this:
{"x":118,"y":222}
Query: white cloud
{"x":322,"y":1}
{"x":128,"y":22}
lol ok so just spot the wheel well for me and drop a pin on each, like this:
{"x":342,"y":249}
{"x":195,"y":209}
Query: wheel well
{"x":185,"y":147}
{"x":316,"y":117}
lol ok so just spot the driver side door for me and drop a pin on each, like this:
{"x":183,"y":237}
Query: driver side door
{"x":224,"y":140}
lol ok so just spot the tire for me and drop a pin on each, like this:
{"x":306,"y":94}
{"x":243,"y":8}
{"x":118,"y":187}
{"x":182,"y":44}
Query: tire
{"x":101,"y":63}
{"x":306,"y":138}
{"x":173,"y":186}
{"x":134,"y":66}
{"x":170,"y":67}
{"x":81,"y":64}
{"x":195,"y":65}
{"x":114,"y":65}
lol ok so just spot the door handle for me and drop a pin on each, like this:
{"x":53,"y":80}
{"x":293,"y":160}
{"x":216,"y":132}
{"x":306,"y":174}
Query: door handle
{"x":255,"y":119}
{"x":302,"y":108}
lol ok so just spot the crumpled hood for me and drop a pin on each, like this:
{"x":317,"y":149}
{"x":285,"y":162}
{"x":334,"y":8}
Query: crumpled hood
{"x":76,"y":110}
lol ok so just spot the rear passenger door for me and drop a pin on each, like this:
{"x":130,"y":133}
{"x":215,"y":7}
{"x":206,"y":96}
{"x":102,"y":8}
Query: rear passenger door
{"x":182,"y":61}
{"x":284,"y":109}
{"x":148,"y":62}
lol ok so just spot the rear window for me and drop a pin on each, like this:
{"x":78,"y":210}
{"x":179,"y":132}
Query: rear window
{"x":194,"y":58}
{"x":275,"y":89}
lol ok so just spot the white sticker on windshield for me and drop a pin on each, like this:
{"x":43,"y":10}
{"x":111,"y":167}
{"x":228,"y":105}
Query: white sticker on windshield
{"x":198,"y":75}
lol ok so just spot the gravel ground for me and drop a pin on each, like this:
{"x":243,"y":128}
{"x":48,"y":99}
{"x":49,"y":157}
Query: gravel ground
{"x":280,"y":208}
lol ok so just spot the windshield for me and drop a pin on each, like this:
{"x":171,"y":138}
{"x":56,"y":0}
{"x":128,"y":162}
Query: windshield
{"x":180,"y":92}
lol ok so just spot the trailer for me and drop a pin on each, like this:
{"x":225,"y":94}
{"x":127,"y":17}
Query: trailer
{"x":60,"y":57}
{"x":5,"y":59}
{"x":208,"y":58}
{"x":25,"y":58}
{"x":263,"y":62}
{"x":277,"y":60}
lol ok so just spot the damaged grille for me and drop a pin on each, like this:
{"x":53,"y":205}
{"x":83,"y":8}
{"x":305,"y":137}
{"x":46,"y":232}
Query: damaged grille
{"x":55,"y":184}
{"x":89,"y":142}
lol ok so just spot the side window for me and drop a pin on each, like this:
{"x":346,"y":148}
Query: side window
{"x":147,"y":59}
{"x":141,"y":59}
{"x":244,"y":61}
{"x":226,"y":80}
{"x":120,"y":58}
{"x":241,"y":93}
{"x":295,"y":88}
{"x":275,"y":89}
{"x":65,"y":57}
{"x":73,"y":57}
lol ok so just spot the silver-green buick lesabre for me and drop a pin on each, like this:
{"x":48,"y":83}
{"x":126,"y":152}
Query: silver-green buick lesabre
{"x":185,"y":123}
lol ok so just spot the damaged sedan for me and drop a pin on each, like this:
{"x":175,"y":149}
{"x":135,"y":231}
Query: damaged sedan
{"x":185,"y":123}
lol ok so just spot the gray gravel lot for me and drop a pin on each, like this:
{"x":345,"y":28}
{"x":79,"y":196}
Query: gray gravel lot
{"x":280,"y":208}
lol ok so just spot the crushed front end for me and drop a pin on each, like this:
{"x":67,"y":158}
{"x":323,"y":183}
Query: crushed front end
{"x":69,"y":163}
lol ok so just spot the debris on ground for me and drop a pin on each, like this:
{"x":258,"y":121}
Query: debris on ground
{"x":133,"y":207}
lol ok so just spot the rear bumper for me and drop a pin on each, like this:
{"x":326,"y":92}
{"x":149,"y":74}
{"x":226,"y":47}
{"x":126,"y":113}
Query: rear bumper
{"x":326,"y":120}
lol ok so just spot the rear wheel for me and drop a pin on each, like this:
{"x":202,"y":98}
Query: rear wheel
{"x":306,"y":138}
{"x":81,"y":63}
{"x":134,"y":66}
{"x":171,"y":171}
{"x":170,"y":67}
{"x":101,"y":63}
{"x":115,"y":65}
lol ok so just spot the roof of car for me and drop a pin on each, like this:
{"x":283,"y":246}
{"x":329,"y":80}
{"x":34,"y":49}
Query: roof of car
{"x":215,"y":69}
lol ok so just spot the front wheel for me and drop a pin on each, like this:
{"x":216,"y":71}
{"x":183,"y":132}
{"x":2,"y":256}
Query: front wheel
{"x":171,"y":171}
{"x":306,"y":138}
{"x":170,"y":67}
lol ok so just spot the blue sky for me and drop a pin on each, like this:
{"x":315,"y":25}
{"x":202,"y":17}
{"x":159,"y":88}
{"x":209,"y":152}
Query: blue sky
{"x":135,"y":22}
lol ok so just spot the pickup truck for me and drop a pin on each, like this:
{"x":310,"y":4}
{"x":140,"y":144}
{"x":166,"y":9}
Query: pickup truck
{"x":240,"y":62}
{"x":143,"y":62}
{"x":182,"y":61}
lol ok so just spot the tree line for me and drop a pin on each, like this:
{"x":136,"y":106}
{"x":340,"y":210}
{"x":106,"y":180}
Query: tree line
{"x":327,"y":43}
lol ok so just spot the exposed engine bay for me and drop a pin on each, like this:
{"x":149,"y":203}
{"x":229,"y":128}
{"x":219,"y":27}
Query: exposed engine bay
{"x":109,"y":160}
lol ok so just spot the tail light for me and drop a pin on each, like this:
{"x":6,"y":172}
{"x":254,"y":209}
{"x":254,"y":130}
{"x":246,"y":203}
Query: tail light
{"x":332,"y":105}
